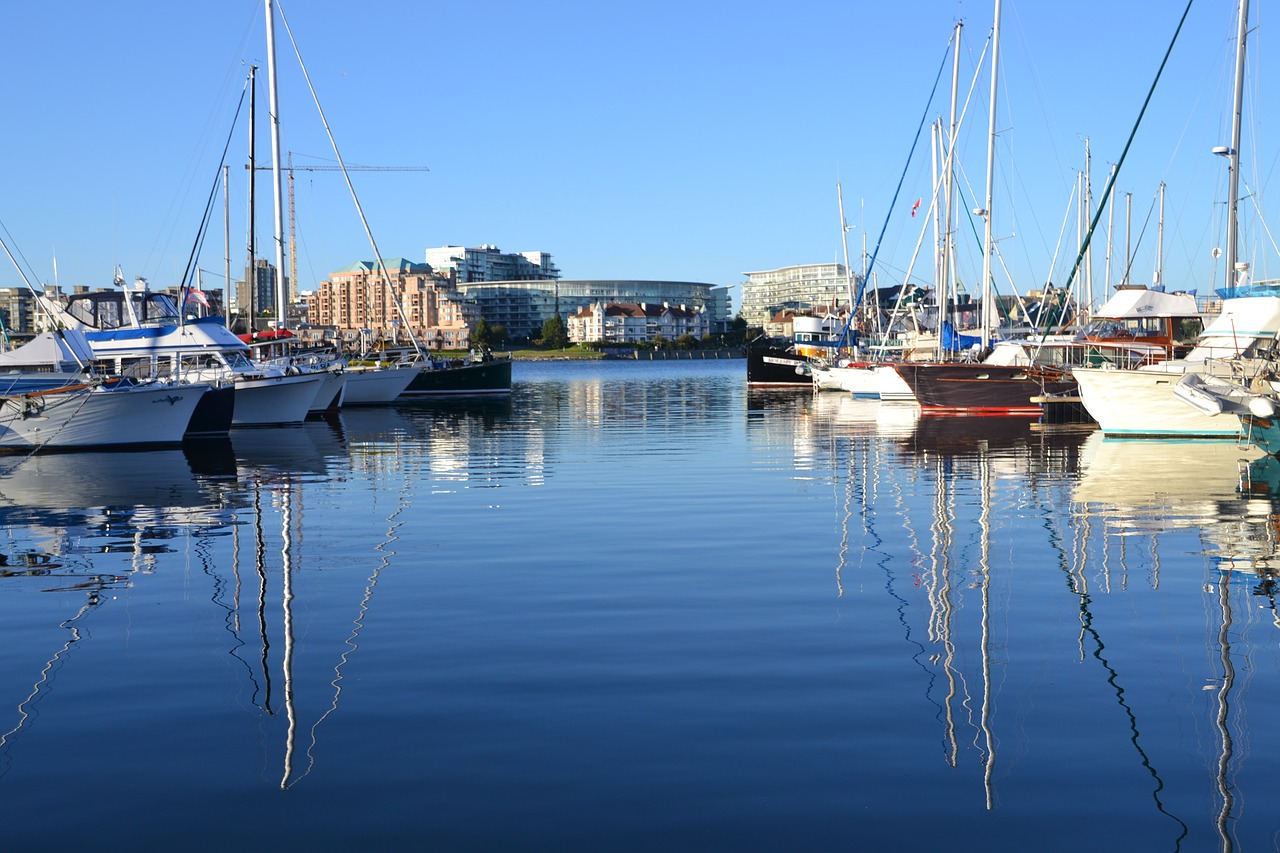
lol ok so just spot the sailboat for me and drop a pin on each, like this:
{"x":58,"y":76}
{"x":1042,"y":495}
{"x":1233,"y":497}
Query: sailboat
{"x":111,"y":414}
{"x":478,"y":373}
{"x":966,"y":387}
{"x":1144,"y":402}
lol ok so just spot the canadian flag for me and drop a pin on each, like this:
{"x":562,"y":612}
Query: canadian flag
{"x":915,"y":207}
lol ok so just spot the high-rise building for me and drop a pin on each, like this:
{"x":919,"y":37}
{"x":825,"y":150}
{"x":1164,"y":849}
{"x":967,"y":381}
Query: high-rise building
{"x":358,"y":301}
{"x":263,"y":276}
{"x":808,"y":287}
{"x":488,"y":263}
{"x":16,"y":307}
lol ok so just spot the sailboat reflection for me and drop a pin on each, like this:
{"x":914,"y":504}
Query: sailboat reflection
{"x":64,"y":511}
{"x":1223,"y":493}
{"x":265,"y":571}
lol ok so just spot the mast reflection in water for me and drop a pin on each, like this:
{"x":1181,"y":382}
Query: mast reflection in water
{"x":635,"y":606}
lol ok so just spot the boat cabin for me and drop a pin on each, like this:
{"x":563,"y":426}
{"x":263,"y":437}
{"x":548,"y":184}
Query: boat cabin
{"x":121,"y":309}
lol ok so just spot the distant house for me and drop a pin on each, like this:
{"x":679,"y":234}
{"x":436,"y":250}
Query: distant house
{"x":636,"y":322}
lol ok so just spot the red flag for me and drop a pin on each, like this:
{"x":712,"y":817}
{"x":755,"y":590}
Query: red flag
{"x":915,"y":207}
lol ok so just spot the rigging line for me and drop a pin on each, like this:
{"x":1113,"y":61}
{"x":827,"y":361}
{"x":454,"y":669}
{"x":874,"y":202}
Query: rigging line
{"x":203,"y":231}
{"x":924,"y":116}
{"x":47,"y":674}
{"x":1111,"y":180}
{"x":1113,"y":678}
{"x":382,"y":267}
{"x":1261,"y":218}
{"x":44,"y":309}
{"x":1128,"y":265}
{"x":357,"y":624}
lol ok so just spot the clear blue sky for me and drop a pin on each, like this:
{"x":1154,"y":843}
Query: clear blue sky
{"x":684,"y":141}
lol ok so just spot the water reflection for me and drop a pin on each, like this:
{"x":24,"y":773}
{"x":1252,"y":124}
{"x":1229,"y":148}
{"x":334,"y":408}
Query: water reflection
{"x":1015,"y":625}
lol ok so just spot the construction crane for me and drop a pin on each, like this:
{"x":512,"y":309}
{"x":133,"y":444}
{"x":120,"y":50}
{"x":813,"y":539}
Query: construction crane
{"x":289,"y":168}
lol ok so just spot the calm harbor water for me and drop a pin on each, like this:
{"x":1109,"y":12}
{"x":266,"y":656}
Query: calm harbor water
{"x":636,"y":606}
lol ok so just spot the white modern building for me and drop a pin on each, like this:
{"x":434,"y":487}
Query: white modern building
{"x":633,"y":323}
{"x":521,"y":307}
{"x":488,"y":263}
{"x":807,"y":287}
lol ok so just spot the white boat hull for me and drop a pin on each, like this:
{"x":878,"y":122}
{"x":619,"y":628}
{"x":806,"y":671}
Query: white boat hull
{"x":1137,"y":403}
{"x":270,"y":400}
{"x":331,"y":393}
{"x":864,"y":381}
{"x":378,"y":385}
{"x":151,"y":414}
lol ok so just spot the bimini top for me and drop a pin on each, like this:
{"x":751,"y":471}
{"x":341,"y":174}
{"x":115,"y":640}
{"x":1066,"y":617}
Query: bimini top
{"x":1135,"y":302}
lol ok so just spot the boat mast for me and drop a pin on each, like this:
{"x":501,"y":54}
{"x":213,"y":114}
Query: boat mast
{"x":1111,"y":228}
{"x":987,"y":300}
{"x":226,"y":244}
{"x":1088,"y":215}
{"x":948,"y":237}
{"x":1233,"y":152}
{"x":939,"y":275}
{"x":844,"y":239}
{"x":1157,"y":278}
{"x":1128,"y":236}
{"x":282,"y":297}
{"x":251,"y":274}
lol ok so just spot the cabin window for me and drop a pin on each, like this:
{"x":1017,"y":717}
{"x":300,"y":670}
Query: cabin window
{"x":109,"y":315}
{"x":82,"y":310}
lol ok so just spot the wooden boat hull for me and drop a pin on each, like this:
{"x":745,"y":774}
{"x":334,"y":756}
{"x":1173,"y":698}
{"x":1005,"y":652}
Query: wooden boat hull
{"x":982,"y":389}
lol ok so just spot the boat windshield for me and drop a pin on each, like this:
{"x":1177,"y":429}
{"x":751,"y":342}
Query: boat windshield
{"x":108,"y":310}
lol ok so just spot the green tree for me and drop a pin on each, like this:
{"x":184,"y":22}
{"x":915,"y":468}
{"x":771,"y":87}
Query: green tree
{"x":554,"y":334}
{"x":686,"y":342}
{"x":498,"y":336}
{"x":482,"y":334}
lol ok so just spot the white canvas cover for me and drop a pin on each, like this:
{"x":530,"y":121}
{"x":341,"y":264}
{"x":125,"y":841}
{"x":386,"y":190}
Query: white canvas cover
{"x":67,"y":350}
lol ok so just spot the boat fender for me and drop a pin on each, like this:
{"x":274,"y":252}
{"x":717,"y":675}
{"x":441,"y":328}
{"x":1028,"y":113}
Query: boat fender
{"x":1262,"y":407}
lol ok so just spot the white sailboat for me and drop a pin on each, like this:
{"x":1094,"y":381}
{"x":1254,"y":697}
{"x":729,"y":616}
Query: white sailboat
{"x":101,"y":415}
{"x":1142,"y":402}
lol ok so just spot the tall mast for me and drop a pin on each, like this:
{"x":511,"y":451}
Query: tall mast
{"x":1111,"y":227}
{"x":251,"y":274}
{"x":935,"y":174}
{"x":282,"y":297}
{"x":1233,"y":153}
{"x":1088,"y":208}
{"x":1157,"y":278}
{"x":1128,"y":236}
{"x":987,"y":300}
{"x":844,"y":240}
{"x":948,"y":238}
{"x":226,"y":244}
